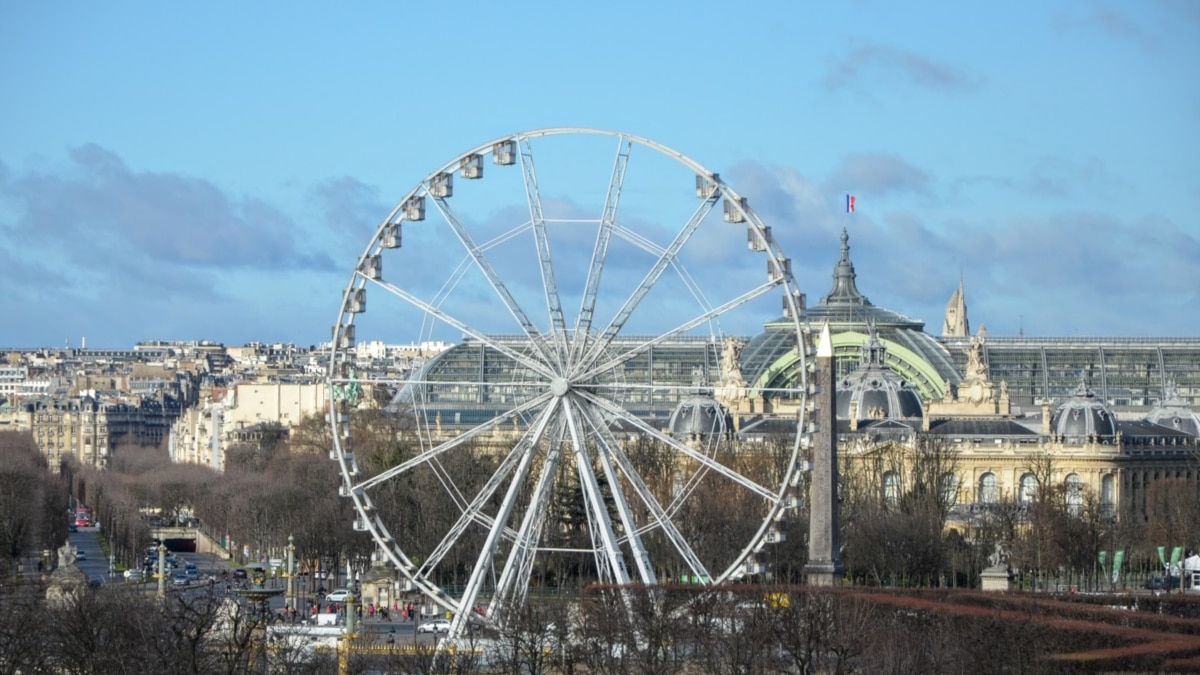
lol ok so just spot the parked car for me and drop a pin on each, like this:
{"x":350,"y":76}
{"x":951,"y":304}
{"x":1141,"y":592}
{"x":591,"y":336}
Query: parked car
{"x":435,"y":626}
{"x":239,"y":573}
{"x":338,"y":595}
{"x":1162,"y":584}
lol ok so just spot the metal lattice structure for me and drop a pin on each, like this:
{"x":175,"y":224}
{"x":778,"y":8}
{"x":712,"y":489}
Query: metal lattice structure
{"x":629,"y":252}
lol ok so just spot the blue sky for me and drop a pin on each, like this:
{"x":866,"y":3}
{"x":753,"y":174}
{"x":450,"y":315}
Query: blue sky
{"x":171,"y":171}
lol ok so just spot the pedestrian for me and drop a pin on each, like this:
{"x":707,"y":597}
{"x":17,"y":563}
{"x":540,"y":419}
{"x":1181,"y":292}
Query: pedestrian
{"x":371,"y":611}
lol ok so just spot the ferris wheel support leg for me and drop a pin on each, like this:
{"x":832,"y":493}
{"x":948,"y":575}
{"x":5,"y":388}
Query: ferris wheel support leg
{"x":594,"y":500}
{"x":519,"y":564}
{"x":640,"y":557}
{"x":484,"y":562}
{"x":643,"y":491}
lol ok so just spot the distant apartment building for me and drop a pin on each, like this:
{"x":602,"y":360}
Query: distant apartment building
{"x":11,"y":378}
{"x":16,"y":383}
{"x":89,"y":429}
{"x":247,"y":413}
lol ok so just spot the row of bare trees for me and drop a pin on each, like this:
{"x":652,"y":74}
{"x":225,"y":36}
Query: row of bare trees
{"x":33,"y":504}
{"x":604,"y":630}
{"x":895,"y":503}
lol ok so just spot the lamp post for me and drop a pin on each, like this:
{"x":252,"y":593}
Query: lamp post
{"x":162,"y":569}
{"x":291,"y":573}
{"x":351,"y":614}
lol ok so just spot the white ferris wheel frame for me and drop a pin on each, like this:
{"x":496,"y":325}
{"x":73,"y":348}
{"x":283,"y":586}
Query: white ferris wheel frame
{"x":571,"y":409}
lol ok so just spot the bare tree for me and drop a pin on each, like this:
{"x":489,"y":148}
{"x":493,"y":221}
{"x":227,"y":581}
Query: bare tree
{"x":32,"y":501}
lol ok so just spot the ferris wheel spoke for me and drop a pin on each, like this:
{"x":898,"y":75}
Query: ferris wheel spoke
{"x":661,"y":517}
{"x":683,"y":448}
{"x":424,"y":457}
{"x":587,"y":308}
{"x":484,"y":563}
{"x":493,"y":278}
{"x":601,"y":525}
{"x":607,"y":449}
{"x":648,"y":282}
{"x":473,"y":512}
{"x":536,"y":366}
{"x":624,"y":356}
{"x":558,"y":327}
{"x":519,"y":565}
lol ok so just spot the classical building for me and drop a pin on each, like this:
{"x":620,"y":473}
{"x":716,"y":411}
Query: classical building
{"x":1003,"y":403}
{"x":1109,"y":416}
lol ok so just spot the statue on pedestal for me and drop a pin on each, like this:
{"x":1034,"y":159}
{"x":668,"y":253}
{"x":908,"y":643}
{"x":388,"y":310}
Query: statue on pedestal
{"x":731,"y":368}
{"x":976,"y":368}
{"x":999,"y":556}
{"x":66,"y":555}
{"x":67,"y":581}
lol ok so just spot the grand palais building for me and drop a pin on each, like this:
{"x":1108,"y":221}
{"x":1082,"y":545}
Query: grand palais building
{"x":1111,"y":415}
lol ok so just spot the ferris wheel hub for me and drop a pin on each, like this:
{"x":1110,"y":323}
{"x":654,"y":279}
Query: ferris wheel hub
{"x":559,"y":386}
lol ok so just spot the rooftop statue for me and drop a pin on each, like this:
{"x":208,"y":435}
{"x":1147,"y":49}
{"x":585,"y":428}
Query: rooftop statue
{"x":731,"y":369}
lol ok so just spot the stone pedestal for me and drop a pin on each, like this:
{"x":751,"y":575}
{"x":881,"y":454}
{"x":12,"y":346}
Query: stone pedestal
{"x":995,"y":579}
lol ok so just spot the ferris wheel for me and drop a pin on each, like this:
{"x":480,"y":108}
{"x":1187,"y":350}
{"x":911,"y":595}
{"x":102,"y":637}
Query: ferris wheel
{"x":552,"y":360}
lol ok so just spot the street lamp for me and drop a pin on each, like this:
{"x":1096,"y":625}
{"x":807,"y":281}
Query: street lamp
{"x":291,"y":573}
{"x":351,"y":614}
{"x":162,"y":569}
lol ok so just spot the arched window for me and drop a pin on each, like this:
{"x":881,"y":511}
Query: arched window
{"x":1028,"y":488}
{"x":1106,"y":494}
{"x":948,"y":489}
{"x":891,"y":488}
{"x":1074,"y":494}
{"x":989,"y":491}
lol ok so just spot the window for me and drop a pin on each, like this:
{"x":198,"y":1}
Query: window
{"x":989,"y":491}
{"x":1106,"y":493}
{"x":1029,"y":488}
{"x":1074,"y":486}
{"x":891,"y":488}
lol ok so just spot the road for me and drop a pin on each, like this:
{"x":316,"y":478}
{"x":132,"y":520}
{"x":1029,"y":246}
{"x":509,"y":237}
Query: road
{"x":95,"y":563}
{"x":96,"y":566}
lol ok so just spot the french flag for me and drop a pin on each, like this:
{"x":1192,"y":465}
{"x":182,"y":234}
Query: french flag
{"x":849,"y":203}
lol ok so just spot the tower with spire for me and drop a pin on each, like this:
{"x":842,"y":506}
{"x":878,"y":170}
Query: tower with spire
{"x":956,"y":324}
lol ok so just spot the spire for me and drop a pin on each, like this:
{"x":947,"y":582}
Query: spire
{"x":956,"y":323}
{"x":844,"y":292}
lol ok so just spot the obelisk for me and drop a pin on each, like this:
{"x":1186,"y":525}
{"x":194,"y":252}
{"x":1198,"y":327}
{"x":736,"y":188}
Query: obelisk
{"x":824,"y":566}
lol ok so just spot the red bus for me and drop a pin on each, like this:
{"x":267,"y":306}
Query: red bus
{"x":83,"y":517}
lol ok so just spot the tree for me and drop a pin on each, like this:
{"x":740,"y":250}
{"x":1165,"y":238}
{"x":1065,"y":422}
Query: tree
{"x":895,"y":502}
{"x":32,"y":501}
